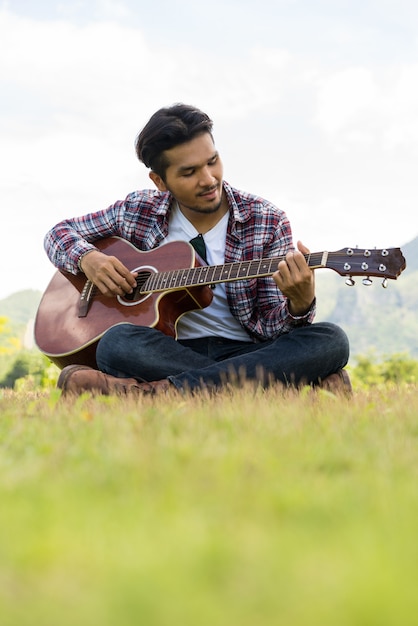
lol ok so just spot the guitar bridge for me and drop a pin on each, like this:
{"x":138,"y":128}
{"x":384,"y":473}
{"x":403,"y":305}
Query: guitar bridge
{"x":85,"y":299}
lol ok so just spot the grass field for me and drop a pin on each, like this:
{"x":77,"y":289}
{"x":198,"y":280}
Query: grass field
{"x":249,"y":508}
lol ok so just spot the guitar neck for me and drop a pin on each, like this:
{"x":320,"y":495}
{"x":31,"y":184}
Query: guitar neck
{"x":228,"y":272}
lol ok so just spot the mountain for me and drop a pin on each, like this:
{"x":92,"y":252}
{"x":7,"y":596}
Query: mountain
{"x":410,"y":251}
{"x":20,"y":307}
{"x":381,"y":320}
{"x":375,"y":319}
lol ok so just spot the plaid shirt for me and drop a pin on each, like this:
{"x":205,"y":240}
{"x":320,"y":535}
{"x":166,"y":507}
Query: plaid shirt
{"x":256,"y":229}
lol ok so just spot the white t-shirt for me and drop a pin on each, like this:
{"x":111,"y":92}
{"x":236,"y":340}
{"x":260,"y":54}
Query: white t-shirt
{"x":216,"y":319}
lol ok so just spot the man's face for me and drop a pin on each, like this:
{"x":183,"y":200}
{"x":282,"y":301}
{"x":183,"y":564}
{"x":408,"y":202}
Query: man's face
{"x":194,"y":175}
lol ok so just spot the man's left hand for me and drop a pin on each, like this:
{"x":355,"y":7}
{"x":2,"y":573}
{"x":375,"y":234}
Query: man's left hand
{"x":296,"y":281}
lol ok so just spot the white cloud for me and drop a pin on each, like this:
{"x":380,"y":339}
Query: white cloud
{"x":311,"y":139}
{"x":86,"y":89}
{"x":343,"y":97}
{"x":359,"y":105}
{"x":402,"y":108}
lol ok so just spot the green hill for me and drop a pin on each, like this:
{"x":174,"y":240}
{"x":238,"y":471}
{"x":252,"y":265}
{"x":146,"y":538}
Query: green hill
{"x":20,"y":307}
{"x":410,"y":251}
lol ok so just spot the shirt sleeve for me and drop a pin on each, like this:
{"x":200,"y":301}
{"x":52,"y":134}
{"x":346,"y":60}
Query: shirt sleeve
{"x":272,"y":314}
{"x":70,"y":239}
{"x":259,"y":304}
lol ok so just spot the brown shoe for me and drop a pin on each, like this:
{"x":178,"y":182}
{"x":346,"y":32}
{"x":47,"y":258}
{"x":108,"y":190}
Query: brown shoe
{"x":338,"y":383}
{"x":77,"y":379}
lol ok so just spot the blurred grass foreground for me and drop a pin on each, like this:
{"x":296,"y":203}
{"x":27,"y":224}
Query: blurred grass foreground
{"x":249,"y":508}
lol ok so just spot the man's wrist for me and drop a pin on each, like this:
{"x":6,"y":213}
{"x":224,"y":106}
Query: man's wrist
{"x":303,"y":313}
{"x":81,"y":257}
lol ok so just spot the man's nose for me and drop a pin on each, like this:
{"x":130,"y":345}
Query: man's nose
{"x":206,"y":177}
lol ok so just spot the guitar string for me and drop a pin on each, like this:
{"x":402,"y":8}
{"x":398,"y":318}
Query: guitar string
{"x":235,"y":270}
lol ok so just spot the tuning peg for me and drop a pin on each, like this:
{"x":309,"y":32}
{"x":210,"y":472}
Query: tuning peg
{"x":350,"y":282}
{"x":367,"y":281}
{"x":385,"y":283}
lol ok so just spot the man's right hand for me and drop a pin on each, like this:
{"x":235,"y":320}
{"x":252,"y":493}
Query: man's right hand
{"x":108,"y":274}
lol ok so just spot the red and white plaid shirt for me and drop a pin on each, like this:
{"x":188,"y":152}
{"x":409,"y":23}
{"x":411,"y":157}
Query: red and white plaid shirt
{"x":256,"y":229}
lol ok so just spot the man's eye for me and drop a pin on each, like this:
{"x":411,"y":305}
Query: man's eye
{"x":188,"y":174}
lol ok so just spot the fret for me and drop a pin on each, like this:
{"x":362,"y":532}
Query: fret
{"x":171,"y":278}
{"x":165,"y":282}
{"x":202,"y":273}
{"x":264,"y":266}
{"x":232,"y":269}
{"x":243,"y":269}
{"x":315,"y":260}
{"x":149,"y":284}
{"x":190,"y":275}
{"x":183,"y":276}
{"x":162,"y":282}
{"x":213,"y":274}
{"x":226,"y":272}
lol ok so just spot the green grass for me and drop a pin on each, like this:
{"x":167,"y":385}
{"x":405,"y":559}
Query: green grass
{"x":244,"y":509}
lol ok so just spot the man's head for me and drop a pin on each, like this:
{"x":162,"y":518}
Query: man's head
{"x":167,"y":128}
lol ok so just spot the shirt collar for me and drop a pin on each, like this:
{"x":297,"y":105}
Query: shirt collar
{"x":241,"y":211}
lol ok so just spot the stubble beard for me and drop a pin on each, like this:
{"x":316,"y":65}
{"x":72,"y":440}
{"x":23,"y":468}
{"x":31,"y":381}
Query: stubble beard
{"x":207,"y":210}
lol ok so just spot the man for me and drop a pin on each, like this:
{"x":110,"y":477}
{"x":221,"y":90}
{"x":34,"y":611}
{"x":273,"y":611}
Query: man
{"x":260,"y":329}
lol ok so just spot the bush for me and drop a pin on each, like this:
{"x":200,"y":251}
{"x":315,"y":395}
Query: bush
{"x":29,"y":368}
{"x":396,"y":368}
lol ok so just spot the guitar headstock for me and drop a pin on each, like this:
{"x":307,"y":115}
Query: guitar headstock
{"x":349,"y":262}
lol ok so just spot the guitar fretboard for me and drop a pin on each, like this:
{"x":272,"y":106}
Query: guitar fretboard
{"x":213,"y":274}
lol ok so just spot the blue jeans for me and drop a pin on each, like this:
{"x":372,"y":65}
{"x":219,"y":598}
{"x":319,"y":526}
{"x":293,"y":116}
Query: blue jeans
{"x":305,"y":355}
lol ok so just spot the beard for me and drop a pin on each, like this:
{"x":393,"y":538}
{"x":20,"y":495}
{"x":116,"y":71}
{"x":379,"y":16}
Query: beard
{"x":205,"y":210}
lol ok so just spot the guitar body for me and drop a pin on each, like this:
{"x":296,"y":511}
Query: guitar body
{"x":68,"y":338}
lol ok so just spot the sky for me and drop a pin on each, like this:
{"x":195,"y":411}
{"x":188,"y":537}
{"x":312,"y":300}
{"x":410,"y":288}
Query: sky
{"x":314,"y":103}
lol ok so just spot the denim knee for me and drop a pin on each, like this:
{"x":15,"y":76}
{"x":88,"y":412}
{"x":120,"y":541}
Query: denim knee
{"x":338,"y":339}
{"x":113,"y":343}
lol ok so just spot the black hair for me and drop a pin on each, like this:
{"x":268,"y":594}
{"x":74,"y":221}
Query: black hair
{"x":167,"y":128}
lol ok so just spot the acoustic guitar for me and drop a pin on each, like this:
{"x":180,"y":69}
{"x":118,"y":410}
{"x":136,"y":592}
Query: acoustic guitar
{"x":73,"y":315}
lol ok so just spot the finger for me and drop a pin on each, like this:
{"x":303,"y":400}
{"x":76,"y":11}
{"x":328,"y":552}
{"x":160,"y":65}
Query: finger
{"x":112,"y":284}
{"x":298,"y":260}
{"x":302,"y":248}
{"x":118,"y":278}
{"x":283,"y":269}
{"x":293,"y":261}
{"x":294,"y":268}
{"x":125,"y":274}
{"x":126,"y":283}
{"x":106,"y":288}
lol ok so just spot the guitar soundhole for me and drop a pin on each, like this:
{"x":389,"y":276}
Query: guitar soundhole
{"x":130,"y":299}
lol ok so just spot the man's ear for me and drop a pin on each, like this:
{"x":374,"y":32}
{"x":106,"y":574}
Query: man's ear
{"x":158,"y":181}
